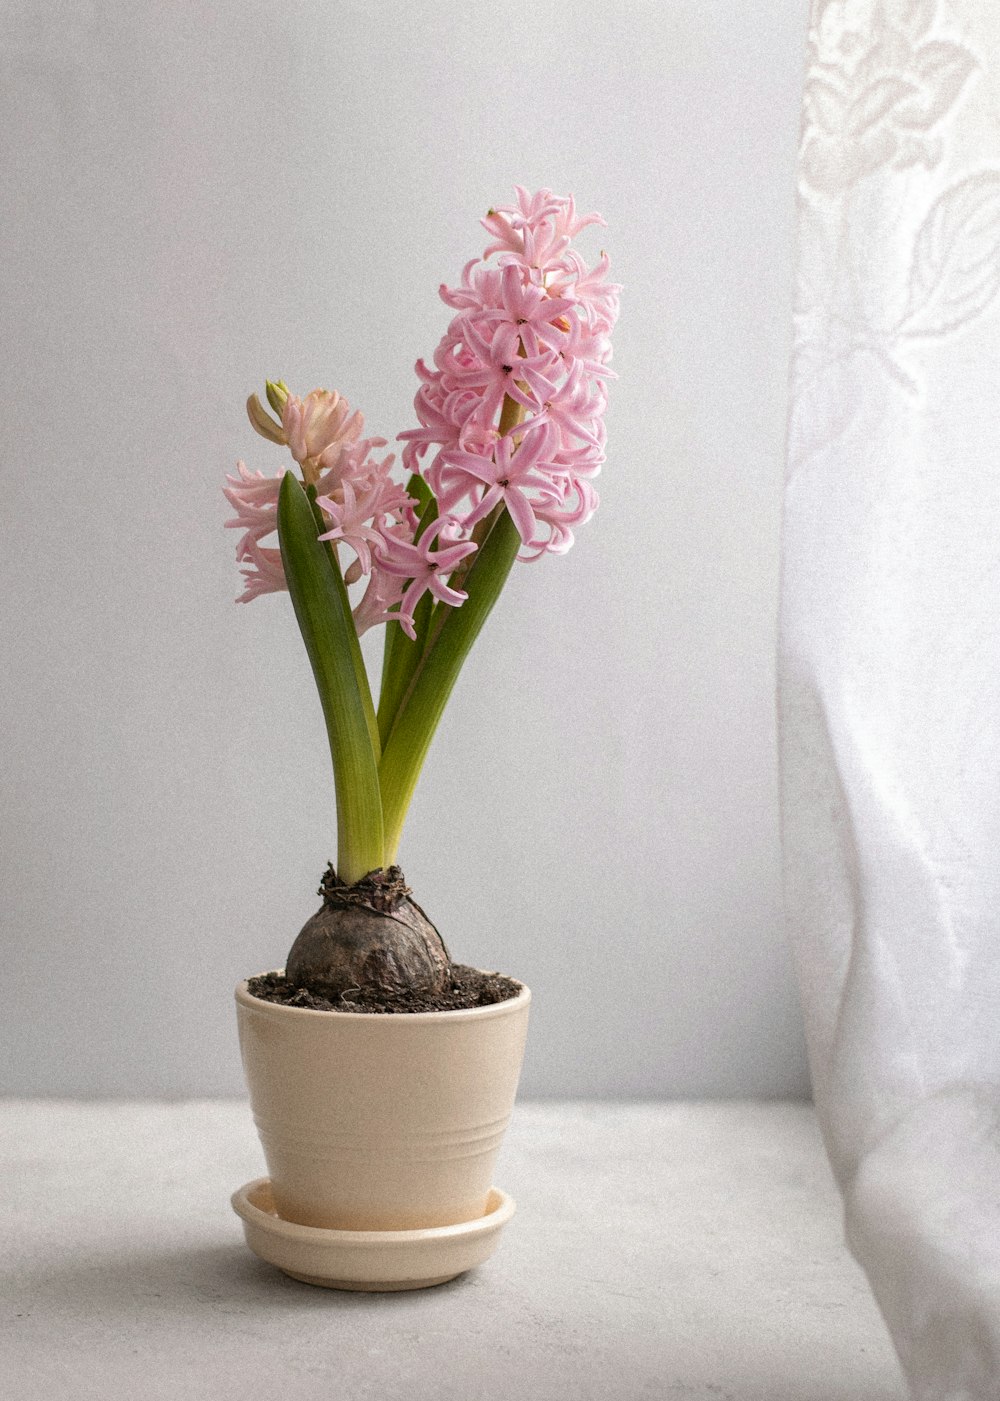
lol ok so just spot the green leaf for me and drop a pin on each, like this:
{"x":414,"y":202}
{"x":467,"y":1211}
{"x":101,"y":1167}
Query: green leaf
{"x":453,"y":633}
{"x":360,"y":670}
{"x":401,"y":655}
{"x":322,"y":609}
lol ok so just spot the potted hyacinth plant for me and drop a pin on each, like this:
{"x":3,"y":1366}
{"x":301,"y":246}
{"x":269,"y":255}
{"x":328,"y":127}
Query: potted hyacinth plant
{"x":381,"y":1072}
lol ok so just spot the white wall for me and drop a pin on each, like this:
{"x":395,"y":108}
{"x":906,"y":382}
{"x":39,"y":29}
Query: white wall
{"x":208,"y":194}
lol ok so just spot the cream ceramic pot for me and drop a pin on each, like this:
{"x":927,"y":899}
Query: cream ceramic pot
{"x":375,"y":1122}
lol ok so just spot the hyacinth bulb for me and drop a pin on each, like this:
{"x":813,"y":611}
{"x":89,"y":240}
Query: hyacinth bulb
{"x":371,"y":936}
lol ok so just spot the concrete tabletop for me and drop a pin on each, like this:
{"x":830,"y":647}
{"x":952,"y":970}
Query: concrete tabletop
{"x":660,"y":1250}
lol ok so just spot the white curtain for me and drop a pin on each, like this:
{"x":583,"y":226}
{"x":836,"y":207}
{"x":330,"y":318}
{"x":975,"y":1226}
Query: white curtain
{"x":890,"y":659}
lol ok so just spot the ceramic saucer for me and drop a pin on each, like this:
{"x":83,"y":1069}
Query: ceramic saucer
{"x":368,"y":1260}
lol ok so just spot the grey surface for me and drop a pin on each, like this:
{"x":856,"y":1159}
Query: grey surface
{"x":200,"y":196}
{"x":659,"y":1251}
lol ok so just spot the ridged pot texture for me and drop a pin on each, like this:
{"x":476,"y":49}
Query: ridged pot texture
{"x":381,"y":1122}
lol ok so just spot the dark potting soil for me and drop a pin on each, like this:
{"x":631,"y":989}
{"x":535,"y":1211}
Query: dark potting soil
{"x":468,"y":987}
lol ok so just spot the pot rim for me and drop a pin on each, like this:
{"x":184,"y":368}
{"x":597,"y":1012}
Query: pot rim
{"x":493,"y":1009}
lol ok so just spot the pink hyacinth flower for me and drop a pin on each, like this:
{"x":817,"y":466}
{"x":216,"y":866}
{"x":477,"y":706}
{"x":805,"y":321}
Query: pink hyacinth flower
{"x":532,"y":331}
{"x":319,"y":427}
{"x":380,"y":598}
{"x":532,"y":315}
{"x":487,"y":361}
{"x":425,"y":567}
{"x":254,"y":498}
{"x":528,"y":346}
{"x":355,"y":491}
{"x":509,"y":474}
{"x":262,"y":570}
{"x":359,"y":517}
{"x":538,"y":229}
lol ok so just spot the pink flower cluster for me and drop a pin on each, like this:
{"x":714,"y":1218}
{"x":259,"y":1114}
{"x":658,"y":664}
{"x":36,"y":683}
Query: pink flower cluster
{"x":532,"y":327}
{"x":362,"y":505}
{"x":513,"y":407}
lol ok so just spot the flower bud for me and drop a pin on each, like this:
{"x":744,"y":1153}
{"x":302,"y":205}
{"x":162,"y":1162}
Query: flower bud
{"x":277,"y":394}
{"x":263,"y":423}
